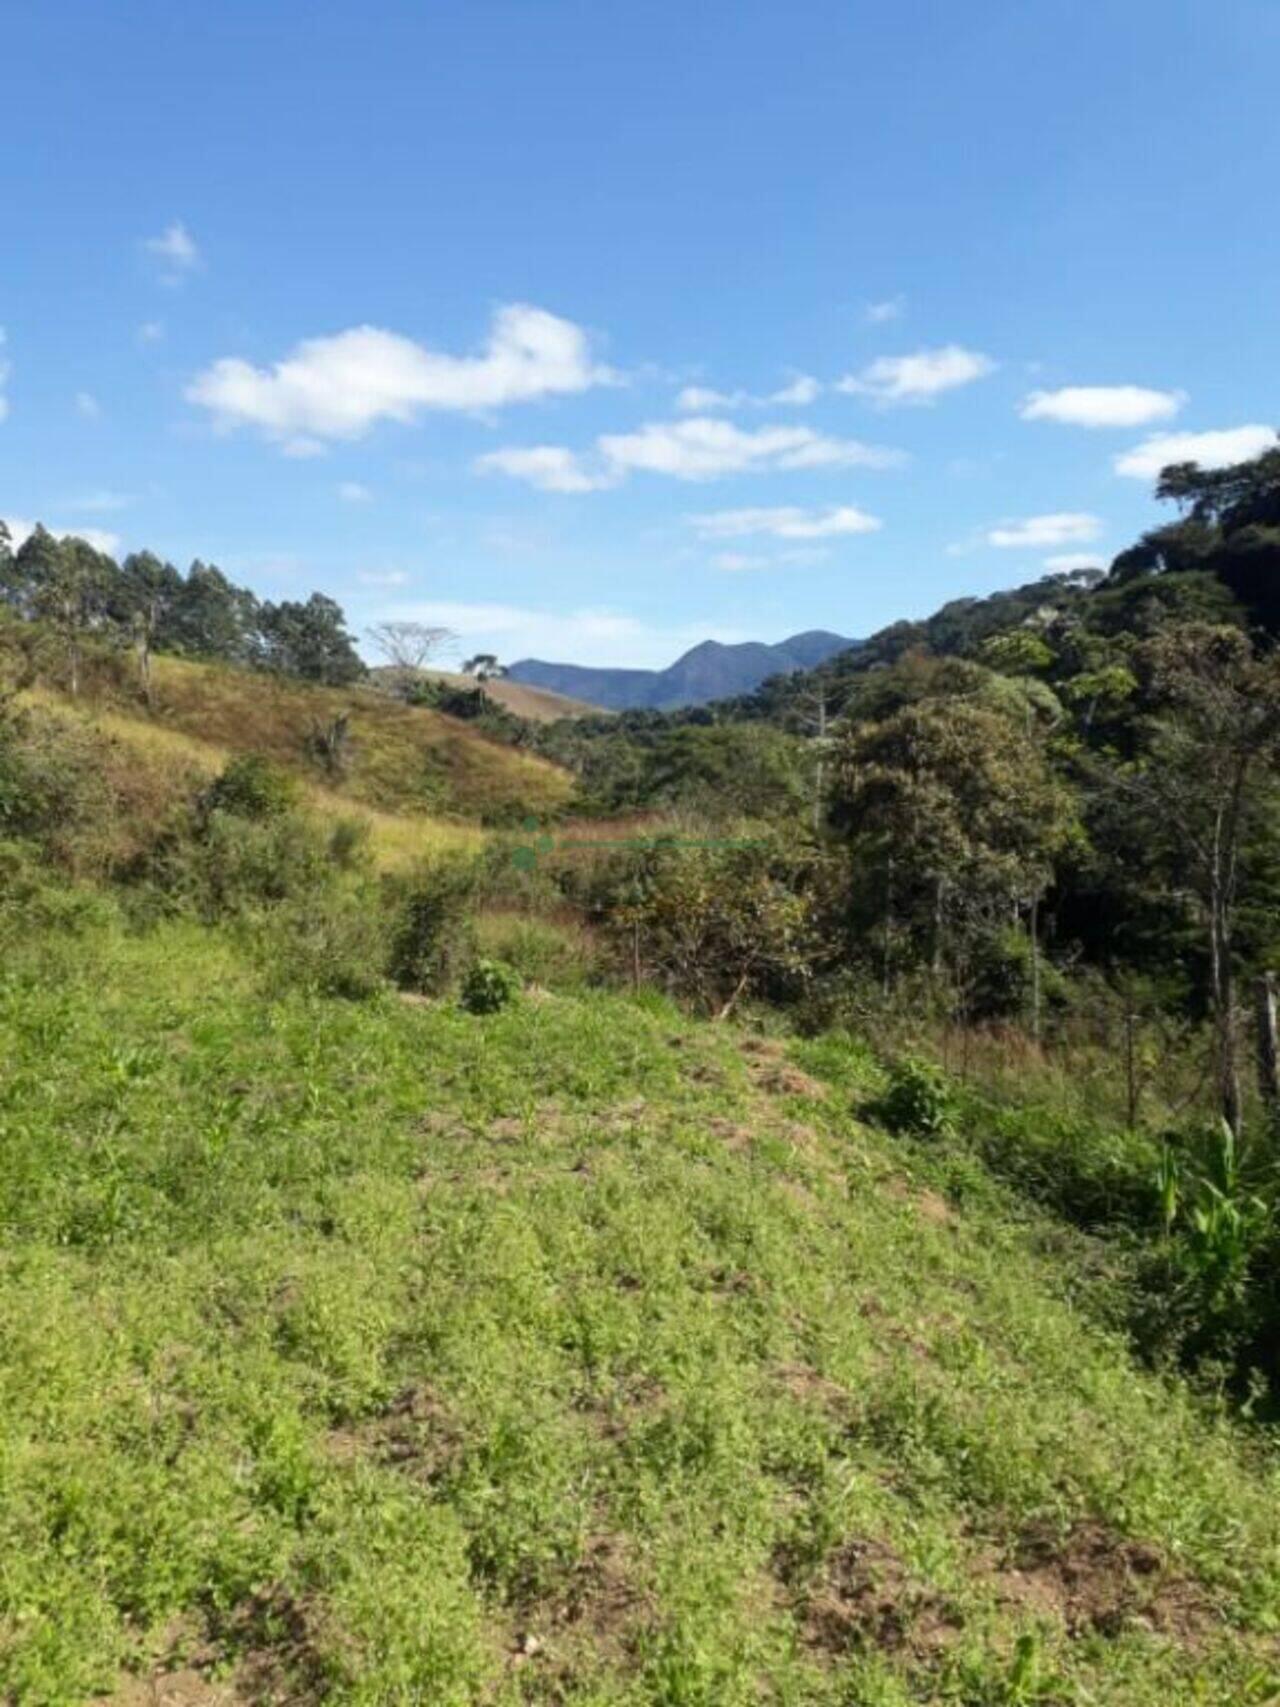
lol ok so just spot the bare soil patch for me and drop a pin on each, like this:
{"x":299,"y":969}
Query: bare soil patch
{"x":865,"y":1597}
{"x":1095,"y":1580}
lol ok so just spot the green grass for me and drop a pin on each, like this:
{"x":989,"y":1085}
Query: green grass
{"x":377,"y":1353}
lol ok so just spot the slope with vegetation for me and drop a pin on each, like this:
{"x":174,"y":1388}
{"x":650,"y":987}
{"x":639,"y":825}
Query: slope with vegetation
{"x":800,"y":1223}
{"x":579,"y":1353}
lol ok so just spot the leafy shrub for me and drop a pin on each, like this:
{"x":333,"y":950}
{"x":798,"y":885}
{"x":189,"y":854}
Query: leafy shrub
{"x":235,"y":864}
{"x":430,"y":936}
{"x":251,"y":787}
{"x":1210,"y":1285}
{"x":714,"y":922}
{"x":489,"y":986}
{"x":1092,"y":1172}
{"x":918,"y":1102}
{"x":332,"y":942}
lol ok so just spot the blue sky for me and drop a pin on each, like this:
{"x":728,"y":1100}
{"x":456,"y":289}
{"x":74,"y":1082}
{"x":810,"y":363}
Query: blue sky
{"x":593,"y":329}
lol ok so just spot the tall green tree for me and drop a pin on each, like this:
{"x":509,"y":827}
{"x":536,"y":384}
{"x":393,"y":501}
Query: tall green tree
{"x":309,"y":640}
{"x":1199,"y":792}
{"x":952,"y":804}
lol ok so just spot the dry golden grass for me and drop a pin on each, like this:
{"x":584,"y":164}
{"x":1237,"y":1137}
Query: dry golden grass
{"x":399,"y":759}
{"x":157,"y":760}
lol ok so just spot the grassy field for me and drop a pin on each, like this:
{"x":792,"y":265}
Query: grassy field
{"x":378,"y":1353}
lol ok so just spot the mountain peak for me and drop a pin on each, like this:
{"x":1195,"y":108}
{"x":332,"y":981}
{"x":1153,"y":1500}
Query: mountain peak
{"x":713,"y":669}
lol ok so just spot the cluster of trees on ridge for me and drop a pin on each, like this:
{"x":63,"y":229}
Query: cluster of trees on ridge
{"x":80,"y":591}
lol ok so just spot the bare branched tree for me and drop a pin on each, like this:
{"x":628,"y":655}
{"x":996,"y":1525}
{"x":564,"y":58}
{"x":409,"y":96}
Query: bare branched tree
{"x":410,"y":645}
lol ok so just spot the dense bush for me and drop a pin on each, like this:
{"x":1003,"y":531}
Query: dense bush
{"x":713,"y":921}
{"x":430,"y":929}
{"x":919,"y":1101}
{"x":489,"y":986}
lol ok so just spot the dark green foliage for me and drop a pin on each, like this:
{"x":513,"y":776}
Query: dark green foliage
{"x":918,"y":1102}
{"x":309,"y":640}
{"x":488,"y":987}
{"x":430,"y":938}
{"x":251,"y":787}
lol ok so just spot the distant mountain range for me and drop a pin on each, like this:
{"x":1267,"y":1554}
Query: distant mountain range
{"x":709,"y":671}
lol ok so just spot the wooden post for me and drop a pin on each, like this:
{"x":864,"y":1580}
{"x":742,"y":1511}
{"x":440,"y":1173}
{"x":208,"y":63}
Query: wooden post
{"x":1268,"y":1060}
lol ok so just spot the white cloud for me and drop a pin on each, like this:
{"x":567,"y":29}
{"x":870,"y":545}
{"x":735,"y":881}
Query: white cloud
{"x":1063,"y":527}
{"x":698,"y":449}
{"x":1102,"y":405}
{"x":21,"y":529}
{"x":880,"y":313}
{"x":5,"y":370}
{"x":703,"y":449}
{"x":151,"y":331}
{"x":918,"y":378}
{"x":801,"y":390}
{"x":1211,"y":450}
{"x":352,"y":492}
{"x":696,"y":399}
{"x":591,"y":636}
{"x":338,"y":387}
{"x":551,"y":468}
{"x":735,"y":561}
{"x":383,"y":578}
{"x":1068,"y":561}
{"x":786,"y":522}
{"x":176,"y":248}
{"x":87,"y":405}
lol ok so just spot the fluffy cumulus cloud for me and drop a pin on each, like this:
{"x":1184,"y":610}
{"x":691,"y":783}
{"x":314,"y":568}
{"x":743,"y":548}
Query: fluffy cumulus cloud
{"x":1211,"y":450}
{"x":338,"y":387}
{"x":1102,"y":405}
{"x":918,"y":378}
{"x":21,"y":529}
{"x":175,"y":249}
{"x":1063,"y":527}
{"x":594,"y":636}
{"x":785,"y":522}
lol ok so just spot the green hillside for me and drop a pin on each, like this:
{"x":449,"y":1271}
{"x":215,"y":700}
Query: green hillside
{"x":579,"y":1354}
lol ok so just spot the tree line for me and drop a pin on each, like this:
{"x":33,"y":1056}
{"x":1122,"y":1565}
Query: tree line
{"x":77,"y":591}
